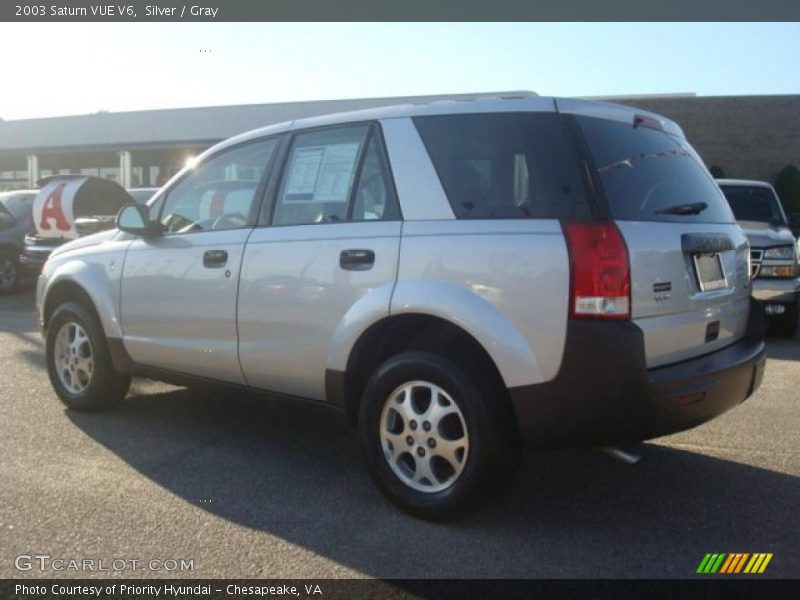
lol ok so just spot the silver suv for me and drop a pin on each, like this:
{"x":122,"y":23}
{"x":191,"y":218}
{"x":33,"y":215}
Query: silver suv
{"x":462,"y":279}
{"x":775,"y":253}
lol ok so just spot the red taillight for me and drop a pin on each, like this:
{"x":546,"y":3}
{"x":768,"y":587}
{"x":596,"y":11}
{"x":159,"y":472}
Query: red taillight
{"x":601,"y":279}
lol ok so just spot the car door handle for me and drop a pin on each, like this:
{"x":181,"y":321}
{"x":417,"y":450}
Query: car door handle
{"x":213,"y":259}
{"x":356,"y":259}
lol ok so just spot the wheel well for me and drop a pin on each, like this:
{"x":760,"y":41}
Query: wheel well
{"x":66,"y":291}
{"x":404,"y":333}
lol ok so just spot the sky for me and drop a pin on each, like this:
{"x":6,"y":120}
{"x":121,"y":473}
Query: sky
{"x":52,"y":69}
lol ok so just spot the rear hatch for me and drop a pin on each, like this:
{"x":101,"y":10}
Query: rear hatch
{"x":689,"y":261}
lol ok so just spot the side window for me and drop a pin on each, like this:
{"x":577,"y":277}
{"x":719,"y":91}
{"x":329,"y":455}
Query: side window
{"x":332,"y":176}
{"x":220,"y":193}
{"x":374,"y":200}
{"x":505,"y":165}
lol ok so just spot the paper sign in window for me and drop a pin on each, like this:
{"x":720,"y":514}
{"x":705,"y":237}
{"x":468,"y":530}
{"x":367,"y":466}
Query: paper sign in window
{"x":321,"y":173}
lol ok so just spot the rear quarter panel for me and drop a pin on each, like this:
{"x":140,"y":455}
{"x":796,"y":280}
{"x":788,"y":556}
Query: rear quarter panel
{"x":506,"y":282}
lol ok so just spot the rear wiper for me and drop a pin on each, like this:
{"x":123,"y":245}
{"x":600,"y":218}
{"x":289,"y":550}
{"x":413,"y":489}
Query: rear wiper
{"x":695,"y":208}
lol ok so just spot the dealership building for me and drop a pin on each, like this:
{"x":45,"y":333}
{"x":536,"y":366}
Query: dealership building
{"x":748,"y":136}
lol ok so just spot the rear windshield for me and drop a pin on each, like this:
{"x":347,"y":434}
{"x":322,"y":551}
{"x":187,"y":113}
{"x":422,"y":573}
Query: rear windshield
{"x":754,"y":203}
{"x":648,"y":175}
{"x":505,"y":165}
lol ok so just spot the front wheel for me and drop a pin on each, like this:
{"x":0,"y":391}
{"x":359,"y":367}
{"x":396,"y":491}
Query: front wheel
{"x":78,"y":361}
{"x":437,"y":442}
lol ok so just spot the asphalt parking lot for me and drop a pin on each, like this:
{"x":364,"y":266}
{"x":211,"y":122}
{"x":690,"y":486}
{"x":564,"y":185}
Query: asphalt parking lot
{"x":249,"y":487}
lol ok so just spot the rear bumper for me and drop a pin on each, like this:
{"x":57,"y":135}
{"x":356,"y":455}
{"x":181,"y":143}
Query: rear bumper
{"x":604,"y":394}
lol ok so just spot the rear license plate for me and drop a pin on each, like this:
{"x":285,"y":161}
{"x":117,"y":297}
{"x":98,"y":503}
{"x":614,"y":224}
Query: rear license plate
{"x":710,"y":275}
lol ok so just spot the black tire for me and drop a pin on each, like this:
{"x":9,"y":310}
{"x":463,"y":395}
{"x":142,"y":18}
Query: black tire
{"x":10,"y":274}
{"x":493,"y":454}
{"x":785,"y":325}
{"x":105,"y":386}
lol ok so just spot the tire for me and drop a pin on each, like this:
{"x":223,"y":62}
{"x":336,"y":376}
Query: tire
{"x":78,"y":361}
{"x":475,"y":431}
{"x":10,"y":274}
{"x":785,"y":325}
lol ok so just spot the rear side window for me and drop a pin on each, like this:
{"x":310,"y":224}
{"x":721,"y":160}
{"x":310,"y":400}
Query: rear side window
{"x":506,"y":165}
{"x":648,"y":175}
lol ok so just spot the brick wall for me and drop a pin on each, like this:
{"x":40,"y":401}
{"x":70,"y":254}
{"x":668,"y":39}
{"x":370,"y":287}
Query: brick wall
{"x":750,"y":137}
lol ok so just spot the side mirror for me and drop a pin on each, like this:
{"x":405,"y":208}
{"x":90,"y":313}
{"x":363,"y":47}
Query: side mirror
{"x":135,"y":219}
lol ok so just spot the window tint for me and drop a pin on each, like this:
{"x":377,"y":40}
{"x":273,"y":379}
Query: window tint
{"x":648,"y":175}
{"x":219,"y":194}
{"x":505,"y":166}
{"x":754,"y":203}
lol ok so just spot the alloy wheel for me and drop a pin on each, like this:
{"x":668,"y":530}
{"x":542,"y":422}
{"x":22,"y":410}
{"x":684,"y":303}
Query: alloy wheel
{"x":424,"y":436}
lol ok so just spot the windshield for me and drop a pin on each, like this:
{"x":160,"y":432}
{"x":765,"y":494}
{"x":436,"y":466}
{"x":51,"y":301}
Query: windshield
{"x":6,"y":220}
{"x":19,"y":205}
{"x":754,"y":203}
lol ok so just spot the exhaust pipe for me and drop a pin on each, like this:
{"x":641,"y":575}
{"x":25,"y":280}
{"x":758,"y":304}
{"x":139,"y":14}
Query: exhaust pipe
{"x":629,"y":454}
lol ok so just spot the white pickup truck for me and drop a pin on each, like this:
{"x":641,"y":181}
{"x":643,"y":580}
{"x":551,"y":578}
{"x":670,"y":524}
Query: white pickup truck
{"x":774,"y":251}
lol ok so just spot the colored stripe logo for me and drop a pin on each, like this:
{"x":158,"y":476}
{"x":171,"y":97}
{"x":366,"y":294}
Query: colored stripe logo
{"x":733,"y":563}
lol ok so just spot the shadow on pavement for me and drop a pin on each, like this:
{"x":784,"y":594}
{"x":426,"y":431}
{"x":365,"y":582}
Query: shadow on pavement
{"x":296,"y":472}
{"x":784,"y":349}
{"x":18,"y":312}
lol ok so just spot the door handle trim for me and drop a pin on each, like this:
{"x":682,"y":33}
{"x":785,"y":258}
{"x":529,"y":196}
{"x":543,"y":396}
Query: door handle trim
{"x":356,"y":259}
{"x":215,"y":259}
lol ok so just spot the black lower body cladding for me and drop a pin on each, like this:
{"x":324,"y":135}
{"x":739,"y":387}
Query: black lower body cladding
{"x":604,"y":393}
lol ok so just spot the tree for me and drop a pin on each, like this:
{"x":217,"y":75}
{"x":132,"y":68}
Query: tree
{"x":717,"y":172}
{"x":787,"y":184}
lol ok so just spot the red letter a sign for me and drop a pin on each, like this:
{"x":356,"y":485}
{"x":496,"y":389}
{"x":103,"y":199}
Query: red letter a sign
{"x":52,"y":210}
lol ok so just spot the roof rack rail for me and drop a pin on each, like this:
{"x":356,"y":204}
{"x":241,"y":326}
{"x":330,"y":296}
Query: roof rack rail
{"x":509,"y":95}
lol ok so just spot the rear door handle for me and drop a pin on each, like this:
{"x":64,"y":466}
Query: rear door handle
{"x":356,"y":259}
{"x":214,"y":259}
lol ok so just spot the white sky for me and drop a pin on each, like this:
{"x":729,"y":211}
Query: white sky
{"x":58,"y":68}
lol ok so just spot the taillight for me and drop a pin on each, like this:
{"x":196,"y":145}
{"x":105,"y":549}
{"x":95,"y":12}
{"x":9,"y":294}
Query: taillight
{"x":601,"y":281}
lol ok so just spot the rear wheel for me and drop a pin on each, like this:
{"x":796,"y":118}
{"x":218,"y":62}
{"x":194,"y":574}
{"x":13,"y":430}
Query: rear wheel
{"x":9,"y":274}
{"x":78,"y":361}
{"x":437,"y":442}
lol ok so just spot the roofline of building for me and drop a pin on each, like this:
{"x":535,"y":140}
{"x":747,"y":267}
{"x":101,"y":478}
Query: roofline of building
{"x":399,"y":100}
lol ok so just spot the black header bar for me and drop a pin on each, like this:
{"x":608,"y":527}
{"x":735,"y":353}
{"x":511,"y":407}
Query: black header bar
{"x":400,"y":10}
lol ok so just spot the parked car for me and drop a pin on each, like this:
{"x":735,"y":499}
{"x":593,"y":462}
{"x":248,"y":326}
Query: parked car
{"x":462,"y":279}
{"x":67,"y":207}
{"x":142,"y":195}
{"x":774,"y":250}
{"x":15,"y":221}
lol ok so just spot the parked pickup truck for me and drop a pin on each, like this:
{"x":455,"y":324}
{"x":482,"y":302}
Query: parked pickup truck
{"x":461,"y":279}
{"x":774,"y":251}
